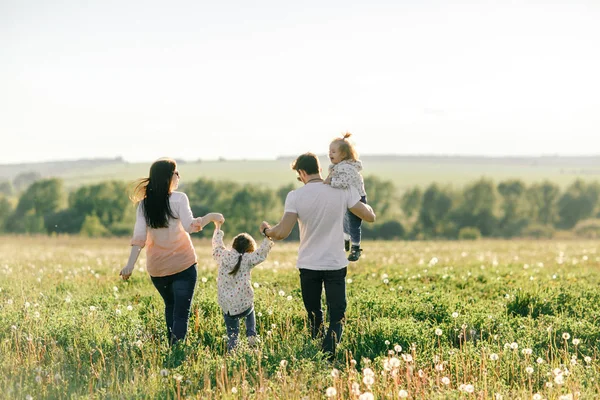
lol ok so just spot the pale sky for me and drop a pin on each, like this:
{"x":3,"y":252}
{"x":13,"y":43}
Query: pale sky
{"x":260,"y":79}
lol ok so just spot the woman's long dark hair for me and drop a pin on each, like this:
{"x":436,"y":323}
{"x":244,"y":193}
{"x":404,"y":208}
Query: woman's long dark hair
{"x":154,"y":193}
{"x":242,"y":243}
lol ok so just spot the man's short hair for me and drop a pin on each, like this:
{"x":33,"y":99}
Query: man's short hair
{"x":307,"y":162}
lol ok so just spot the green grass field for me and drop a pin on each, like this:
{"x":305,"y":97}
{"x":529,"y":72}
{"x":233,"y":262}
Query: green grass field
{"x":404,"y":174}
{"x":426,"y":320}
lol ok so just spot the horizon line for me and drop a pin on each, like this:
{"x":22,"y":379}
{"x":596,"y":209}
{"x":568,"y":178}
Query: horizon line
{"x":280,"y":157}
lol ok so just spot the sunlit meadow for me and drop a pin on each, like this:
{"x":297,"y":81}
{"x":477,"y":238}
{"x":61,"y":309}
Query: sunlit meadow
{"x":427,"y":320}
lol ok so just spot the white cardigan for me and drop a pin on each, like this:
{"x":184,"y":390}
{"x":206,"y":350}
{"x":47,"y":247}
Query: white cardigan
{"x":234,"y":292}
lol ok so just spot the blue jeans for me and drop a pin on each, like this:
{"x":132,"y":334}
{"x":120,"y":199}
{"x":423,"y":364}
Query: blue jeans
{"x":232,"y":323}
{"x":352,"y":224}
{"x":177,"y":291}
{"x":311,"y":283}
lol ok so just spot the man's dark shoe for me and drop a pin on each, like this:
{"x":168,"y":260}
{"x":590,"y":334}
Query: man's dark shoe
{"x":355,"y":253}
{"x":347,"y":245}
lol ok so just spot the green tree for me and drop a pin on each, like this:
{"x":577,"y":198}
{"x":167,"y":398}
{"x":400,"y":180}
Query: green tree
{"x":42,"y":199}
{"x":108,"y":201}
{"x":577,"y":203}
{"x":514,"y":208}
{"x":93,"y":227}
{"x":410,"y":201}
{"x":477,"y":207}
{"x":6,"y":209}
{"x":381,"y":195}
{"x":434,"y":213}
{"x":249,"y":206}
{"x":542,"y":199}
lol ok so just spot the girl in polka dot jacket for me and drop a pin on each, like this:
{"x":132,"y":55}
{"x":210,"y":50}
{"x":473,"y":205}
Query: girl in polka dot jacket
{"x":234,"y":289}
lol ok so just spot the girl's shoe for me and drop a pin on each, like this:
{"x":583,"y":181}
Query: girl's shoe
{"x":355,"y":253}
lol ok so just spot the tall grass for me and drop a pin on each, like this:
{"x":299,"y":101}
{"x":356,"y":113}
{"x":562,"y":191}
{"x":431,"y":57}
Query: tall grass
{"x":427,"y":320}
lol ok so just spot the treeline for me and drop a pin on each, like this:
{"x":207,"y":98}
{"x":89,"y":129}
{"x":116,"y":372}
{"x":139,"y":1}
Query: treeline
{"x":482,"y":208}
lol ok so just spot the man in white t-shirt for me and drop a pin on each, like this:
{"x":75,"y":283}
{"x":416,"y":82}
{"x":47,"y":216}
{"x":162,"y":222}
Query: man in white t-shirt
{"x":319,"y":210}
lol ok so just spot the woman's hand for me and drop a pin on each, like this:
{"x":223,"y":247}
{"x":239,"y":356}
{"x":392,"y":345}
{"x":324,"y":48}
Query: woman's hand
{"x":125,"y":272}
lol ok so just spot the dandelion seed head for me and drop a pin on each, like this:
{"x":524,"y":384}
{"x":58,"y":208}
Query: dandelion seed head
{"x":527,"y":351}
{"x":368,"y":380}
{"x":204,"y":279}
{"x":576,"y":342}
{"x":446,"y":380}
{"x":398,"y":348}
{"x":283,"y":363}
{"x":403,"y":394}
{"x":455,"y":315}
{"x":438,"y":332}
{"x":335,"y":373}
{"x":566,"y":336}
{"x":587,"y":359}
{"x":164,"y":372}
{"x":366,"y":396}
{"x":330,"y":392}
{"x":387,"y":342}
{"x":539,"y":360}
{"x":529,"y":370}
{"x":256,"y":285}
{"x":129,"y":308}
{"x":493,"y":356}
{"x":234,"y":390}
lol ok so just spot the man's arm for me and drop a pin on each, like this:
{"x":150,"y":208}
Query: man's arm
{"x":363,"y":211}
{"x":282,"y":229}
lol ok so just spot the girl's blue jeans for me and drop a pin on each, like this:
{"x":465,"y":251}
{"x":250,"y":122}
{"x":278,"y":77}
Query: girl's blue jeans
{"x":352,"y":224}
{"x":232,"y":323}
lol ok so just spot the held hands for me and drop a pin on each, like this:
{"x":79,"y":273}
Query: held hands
{"x":200,"y":222}
{"x":218,"y":219}
{"x":197,"y":224}
{"x":265,"y":225}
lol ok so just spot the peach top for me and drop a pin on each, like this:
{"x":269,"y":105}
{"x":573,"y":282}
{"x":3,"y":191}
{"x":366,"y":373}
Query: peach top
{"x":168,"y":250}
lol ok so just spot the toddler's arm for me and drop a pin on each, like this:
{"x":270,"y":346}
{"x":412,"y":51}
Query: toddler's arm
{"x":218,"y":246}
{"x":261,"y":254}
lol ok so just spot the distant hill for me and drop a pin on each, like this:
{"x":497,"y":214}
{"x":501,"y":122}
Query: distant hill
{"x":403,"y":170}
{"x":55,"y":168}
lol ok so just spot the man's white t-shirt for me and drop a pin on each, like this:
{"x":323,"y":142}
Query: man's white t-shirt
{"x":321,"y":210}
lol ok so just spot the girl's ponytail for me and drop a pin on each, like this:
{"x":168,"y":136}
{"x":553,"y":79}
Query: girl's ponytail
{"x":237,"y":266}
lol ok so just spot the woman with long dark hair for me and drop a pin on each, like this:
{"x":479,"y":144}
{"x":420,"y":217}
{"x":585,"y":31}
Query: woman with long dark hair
{"x":163,"y":225}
